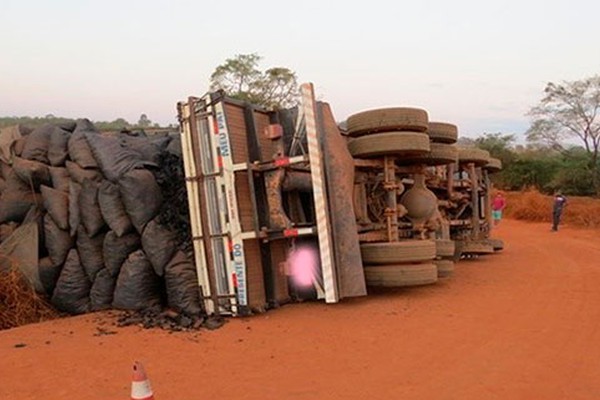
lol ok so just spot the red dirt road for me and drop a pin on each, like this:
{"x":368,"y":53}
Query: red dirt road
{"x":523,"y":324}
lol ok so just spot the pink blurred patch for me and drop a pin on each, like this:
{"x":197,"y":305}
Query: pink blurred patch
{"x":303,"y":264}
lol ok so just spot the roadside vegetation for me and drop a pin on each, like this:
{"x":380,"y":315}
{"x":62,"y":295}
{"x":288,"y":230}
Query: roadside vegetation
{"x":118,"y":124}
{"x":562,"y":149}
{"x":241,"y":78}
{"x":563,"y":143}
{"x":531,"y":205}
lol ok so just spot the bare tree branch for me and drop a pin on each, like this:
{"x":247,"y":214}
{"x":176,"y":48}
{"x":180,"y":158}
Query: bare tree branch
{"x":570,"y":110}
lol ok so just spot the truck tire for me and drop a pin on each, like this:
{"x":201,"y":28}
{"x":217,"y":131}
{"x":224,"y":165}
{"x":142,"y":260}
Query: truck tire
{"x":441,"y":132}
{"x":398,"y":252}
{"x":473,"y":155}
{"x":476,"y":247}
{"x":440,"y":154}
{"x":444,"y":248}
{"x":401,"y":275}
{"x":445,"y":268}
{"x":390,"y":143}
{"x":388,"y":119}
{"x":493,"y":165}
{"x":497,"y":244}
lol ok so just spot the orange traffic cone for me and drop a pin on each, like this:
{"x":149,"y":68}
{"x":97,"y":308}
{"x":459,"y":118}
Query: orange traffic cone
{"x":140,"y":385}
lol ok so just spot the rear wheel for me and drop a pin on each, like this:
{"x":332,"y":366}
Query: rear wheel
{"x":401,"y":275}
{"x":390,"y":144}
{"x":494,"y":165}
{"x":397,"y":252}
{"x":445,"y":268}
{"x":440,"y":154}
{"x":497,"y":244}
{"x":388,"y":119}
{"x":442,"y":132}
{"x":444,"y":248}
{"x":472,"y":155}
{"x":470,"y":247}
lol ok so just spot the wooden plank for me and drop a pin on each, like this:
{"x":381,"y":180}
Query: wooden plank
{"x":237,"y":133}
{"x":279,"y":255}
{"x":254,"y":276}
{"x":245,"y":210}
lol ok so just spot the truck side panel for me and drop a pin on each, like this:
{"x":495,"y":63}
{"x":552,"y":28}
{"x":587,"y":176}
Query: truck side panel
{"x":239,"y":132}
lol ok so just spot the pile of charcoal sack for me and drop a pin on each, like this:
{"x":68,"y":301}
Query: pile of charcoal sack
{"x":112,"y":216}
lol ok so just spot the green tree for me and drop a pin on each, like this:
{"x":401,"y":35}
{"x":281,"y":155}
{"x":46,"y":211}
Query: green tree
{"x":574,"y":175}
{"x":144,"y":121}
{"x":237,"y":76}
{"x":570,"y":110}
{"x":532,"y":167}
{"x":278,"y":88}
{"x":241,"y":78}
{"x":499,"y":145}
{"x":33,"y":122}
{"x":116,"y":125}
{"x":465,"y":141}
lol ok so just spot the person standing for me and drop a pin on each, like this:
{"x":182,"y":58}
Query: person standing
{"x":560,"y":202}
{"x":498,"y":205}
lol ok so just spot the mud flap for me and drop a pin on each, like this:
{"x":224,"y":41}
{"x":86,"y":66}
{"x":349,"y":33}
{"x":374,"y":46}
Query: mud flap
{"x":339,"y":177}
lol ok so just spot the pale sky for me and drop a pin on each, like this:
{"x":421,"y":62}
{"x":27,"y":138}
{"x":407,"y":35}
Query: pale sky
{"x":478,"y":64}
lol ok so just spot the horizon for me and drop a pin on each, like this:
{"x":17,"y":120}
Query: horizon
{"x":481,"y":67}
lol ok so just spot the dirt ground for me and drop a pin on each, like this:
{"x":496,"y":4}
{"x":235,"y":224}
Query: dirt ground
{"x":523,"y":324}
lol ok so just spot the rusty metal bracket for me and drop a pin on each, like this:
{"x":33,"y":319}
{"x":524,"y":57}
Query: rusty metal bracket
{"x":281,"y":162}
{"x":391,"y":186}
{"x":360,"y":163}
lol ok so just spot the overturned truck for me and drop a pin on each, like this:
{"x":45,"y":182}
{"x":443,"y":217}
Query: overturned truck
{"x":242,"y":210}
{"x":286,"y":204}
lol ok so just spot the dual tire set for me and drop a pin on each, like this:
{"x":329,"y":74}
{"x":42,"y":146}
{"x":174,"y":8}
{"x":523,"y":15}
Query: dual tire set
{"x":400,"y":264}
{"x":444,"y":257}
{"x":407,"y":135}
{"x":480,"y":158}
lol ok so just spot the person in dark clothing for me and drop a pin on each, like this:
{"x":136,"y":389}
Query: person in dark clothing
{"x":560,"y":202}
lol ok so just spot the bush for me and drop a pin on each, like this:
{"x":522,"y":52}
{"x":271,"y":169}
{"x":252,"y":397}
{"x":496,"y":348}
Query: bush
{"x":531,"y":205}
{"x":529,"y":172}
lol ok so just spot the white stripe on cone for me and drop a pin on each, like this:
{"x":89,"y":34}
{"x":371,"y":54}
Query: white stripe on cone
{"x":140,"y":384}
{"x":141,"y":390}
